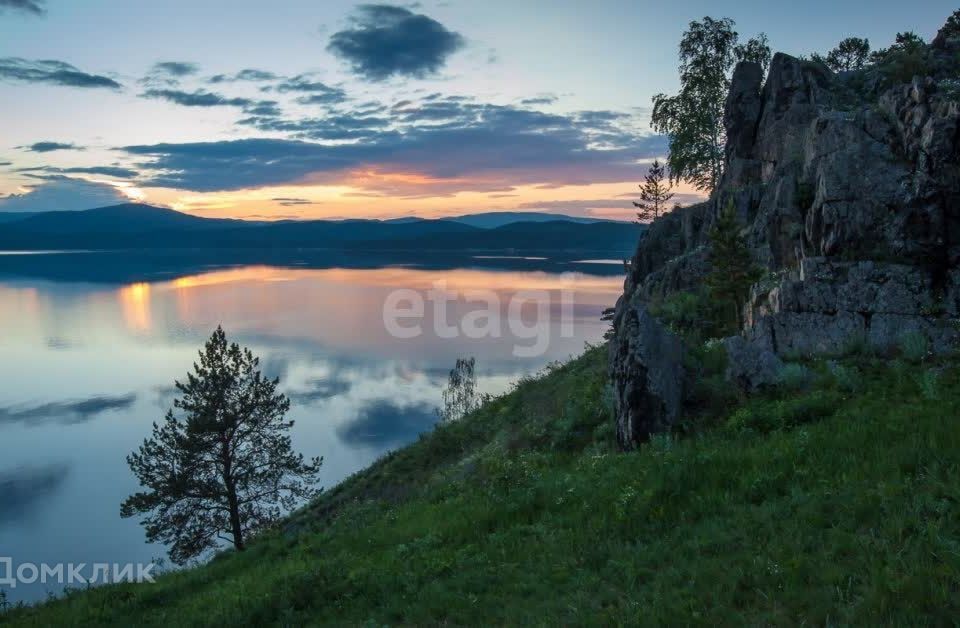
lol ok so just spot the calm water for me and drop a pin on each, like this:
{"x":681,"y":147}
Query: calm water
{"x":90,"y":347}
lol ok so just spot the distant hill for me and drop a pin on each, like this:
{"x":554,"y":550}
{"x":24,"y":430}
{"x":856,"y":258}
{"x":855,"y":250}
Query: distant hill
{"x":125,"y":218}
{"x":8,"y":217}
{"x":145,"y":227}
{"x":492,"y":220}
{"x":555,"y":235}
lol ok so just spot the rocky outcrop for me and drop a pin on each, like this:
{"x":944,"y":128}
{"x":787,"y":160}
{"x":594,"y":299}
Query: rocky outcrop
{"x":648,"y":374}
{"x":850,"y":199}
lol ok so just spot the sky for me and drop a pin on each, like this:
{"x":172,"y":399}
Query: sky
{"x":334,"y":109}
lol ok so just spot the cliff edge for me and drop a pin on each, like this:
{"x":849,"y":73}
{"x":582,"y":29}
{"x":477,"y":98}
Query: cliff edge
{"x":847,"y":189}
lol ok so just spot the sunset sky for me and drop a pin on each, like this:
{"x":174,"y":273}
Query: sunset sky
{"x":309,"y":109}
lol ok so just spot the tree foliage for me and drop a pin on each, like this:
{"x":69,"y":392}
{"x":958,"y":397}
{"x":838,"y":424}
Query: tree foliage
{"x":693,"y":119}
{"x":654,"y":193}
{"x":756,"y":50}
{"x":952,"y":26}
{"x":221,"y":467}
{"x":906,"y":58}
{"x":460,"y":397}
{"x":905,"y":43}
{"x":850,"y":54}
{"x":732,"y":268}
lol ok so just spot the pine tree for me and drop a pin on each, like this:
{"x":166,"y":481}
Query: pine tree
{"x":654,"y":194}
{"x":850,"y":54}
{"x":732,"y":268}
{"x":221,"y":467}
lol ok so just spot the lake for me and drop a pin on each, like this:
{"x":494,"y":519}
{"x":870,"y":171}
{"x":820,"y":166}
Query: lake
{"x":92,"y":342}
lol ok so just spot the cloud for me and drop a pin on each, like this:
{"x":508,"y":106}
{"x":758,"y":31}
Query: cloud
{"x":198,"y":98}
{"x":203,"y":98}
{"x":539,"y":100}
{"x":384,"y":41}
{"x":302,"y":83}
{"x":316,"y":92}
{"x":383,"y":424}
{"x":333,"y":127}
{"x":248,"y":74}
{"x":169,"y":73}
{"x":66,"y":412}
{"x":23,"y":488}
{"x":28,"y":6}
{"x":290,"y":202}
{"x":577,"y":204}
{"x":329,"y":98}
{"x":48,"y":147}
{"x":265,"y":108}
{"x":107,"y":171}
{"x":63,"y":194}
{"x":175,"y":68}
{"x":450,"y":145}
{"x":51,"y":72}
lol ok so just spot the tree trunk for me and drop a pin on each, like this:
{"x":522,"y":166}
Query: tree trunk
{"x":232,"y":502}
{"x":237,"y":531}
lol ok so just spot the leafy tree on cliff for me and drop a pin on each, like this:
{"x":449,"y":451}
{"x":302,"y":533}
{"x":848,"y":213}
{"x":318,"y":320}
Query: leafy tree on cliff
{"x":906,"y":58}
{"x":732,"y":269}
{"x":460,"y":397}
{"x":654,"y":194}
{"x":693,"y":119}
{"x":952,"y":26}
{"x":756,"y":50}
{"x":850,"y":54}
{"x":908,"y":43}
{"x":222,"y":467}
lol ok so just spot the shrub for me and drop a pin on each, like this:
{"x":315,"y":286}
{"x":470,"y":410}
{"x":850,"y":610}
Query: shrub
{"x":794,"y":377}
{"x":767,"y":416}
{"x":847,"y":378}
{"x":929,"y":383}
{"x":694,"y":316}
{"x":914,"y":347}
{"x":858,"y":345}
{"x":906,"y":58}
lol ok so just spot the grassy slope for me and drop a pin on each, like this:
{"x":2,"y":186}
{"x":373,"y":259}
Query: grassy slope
{"x":835,"y":501}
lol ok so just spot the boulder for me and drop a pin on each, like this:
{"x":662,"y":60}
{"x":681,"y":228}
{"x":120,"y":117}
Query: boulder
{"x":751,"y":366}
{"x":646,"y":366}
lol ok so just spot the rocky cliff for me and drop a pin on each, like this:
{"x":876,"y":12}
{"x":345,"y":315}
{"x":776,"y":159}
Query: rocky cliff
{"x":847,"y":187}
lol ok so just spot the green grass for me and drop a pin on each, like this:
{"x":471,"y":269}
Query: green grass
{"x":834,"y":503}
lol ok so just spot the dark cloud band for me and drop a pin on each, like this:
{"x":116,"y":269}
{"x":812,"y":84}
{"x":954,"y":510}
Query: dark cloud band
{"x":51,"y":72}
{"x":28,"y":6}
{"x":458,"y":145}
{"x":49,"y":147}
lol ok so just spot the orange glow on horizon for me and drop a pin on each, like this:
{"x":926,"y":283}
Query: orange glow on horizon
{"x":336,"y":201}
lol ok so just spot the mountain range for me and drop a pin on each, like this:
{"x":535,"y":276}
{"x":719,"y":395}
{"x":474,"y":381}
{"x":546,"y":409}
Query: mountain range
{"x":138,"y":226}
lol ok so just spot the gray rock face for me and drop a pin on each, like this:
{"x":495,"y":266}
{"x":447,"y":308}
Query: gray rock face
{"x":851,"y":198}
{"x":831,"y":305}
{"x":751,"y":365}
{"x":648,"y":374}
{"x":742,"y":111}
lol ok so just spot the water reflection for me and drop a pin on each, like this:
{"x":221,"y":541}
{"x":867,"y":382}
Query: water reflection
{"x":24,"y":490}
{"x":75,"y":411}
{"x":88,"y":365}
